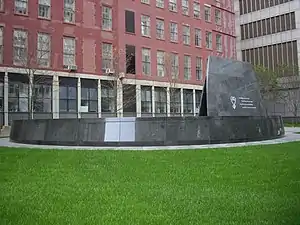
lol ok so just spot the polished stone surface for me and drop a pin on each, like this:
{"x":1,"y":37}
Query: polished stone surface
{"x":291,"y":135}
{"x":232,"y":89}
{"x":146,"y":131}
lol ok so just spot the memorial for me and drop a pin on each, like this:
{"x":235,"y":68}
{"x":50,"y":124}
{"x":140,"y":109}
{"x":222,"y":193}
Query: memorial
{"x":231,"y":110}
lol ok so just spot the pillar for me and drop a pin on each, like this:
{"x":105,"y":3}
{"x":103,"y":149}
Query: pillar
{"x":55,"y":97}
{"x":181,"y":101}
{"x":168,"y":102}
{"x":78,"y":98}
{"x":138,"y":100}
{"x":6,"y":99}
{"x":99,"y":98}
{"x":119,"y":99}
{"x":153,"y":100}
{"x":194,"y":102}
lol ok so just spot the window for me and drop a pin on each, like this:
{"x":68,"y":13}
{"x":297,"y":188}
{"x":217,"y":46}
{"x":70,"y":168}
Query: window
{"x":175,"y":65}
{"x":18,"y":95}
{"x":185,"y":7}
{"x":187,"y":67}
{"x":197,"y":37}
{"x":130,"y":59}
{"x":160,"y":101}
{"x":207,"y":14}
{"x":43,"y":50}
{"x":174,"y":32}
{"x":146,"y":61}
{"x":1,"y":5}
{"x":129,"y":22}
{"x":198,"y":68}
{"x":160,"y":55}
{"x":186,"y":35}
{"x":69,"y":51}
{"x":20,"y":44}
{"x":69,"y":11}
{"x":145,"y":1}
{"x":21,"y":6}
{"x":219,"y":42}
{"x":208,"y":40}
{"x":107,"y":56}
{"x":89,"y":95}
{"x":160,"y":3}
{"x":175,"y":101}
{"x":1,"y":44}
{"x":68,"y":95}
{"x":160,"y":29}
{"x":108,"y":103}
{"x":44,"y":9}
{"x":42,"y":94}
{"x":145,"y":25}
{"x":146,"y":99}
{"x":173,"y":5}
{"x":106,"y":18}
{"x":2,"y":94}
{"x":218,"y":17}
{"x":188,"y":106}
{"x":197,"y":11}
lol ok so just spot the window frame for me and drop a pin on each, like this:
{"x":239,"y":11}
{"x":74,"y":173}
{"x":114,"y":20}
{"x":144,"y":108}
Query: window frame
{"x":145,"y":25}
{"x":207,"y":13}
{"x":160,"y":29}
{"x":23,"y":46}
{"x":187,"y":66}
{"x":44,"y":7}
{"x":199,"y":68}
{"x":68,"y":53}
{"x":160,"y":63}
{"x":146,"y":61}
{"x":107,"y":14}
{"x":44,"y":51}
{"x":25,"y":2}
{"x":69,"y":11}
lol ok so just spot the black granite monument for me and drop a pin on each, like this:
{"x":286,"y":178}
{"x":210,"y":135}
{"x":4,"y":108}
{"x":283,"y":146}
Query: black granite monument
{"x":231,"y":111}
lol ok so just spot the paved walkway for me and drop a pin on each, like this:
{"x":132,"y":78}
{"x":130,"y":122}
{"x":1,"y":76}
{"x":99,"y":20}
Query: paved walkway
{"x":292,"y":135}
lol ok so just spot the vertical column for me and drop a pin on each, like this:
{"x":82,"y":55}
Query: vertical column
{"x":6,"y":99}
{"x":194,"y":102}
{"x":153,"y":100}
{"x":181,"y":101}
{"x":55,"y":97}
{"x":99,"y":98}
{"x":168,"y":102}
{"x":138,"y":100}
{"x":78,"y":98}
{"x":30,"y":100}
{"x":119,"y":99}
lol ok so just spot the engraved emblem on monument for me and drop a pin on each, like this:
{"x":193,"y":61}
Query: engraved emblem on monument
{"x":233,"y":101}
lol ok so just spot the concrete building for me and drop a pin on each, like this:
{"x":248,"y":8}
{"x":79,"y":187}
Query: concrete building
{"x":268,"y":34}
{"x":91,"y":58}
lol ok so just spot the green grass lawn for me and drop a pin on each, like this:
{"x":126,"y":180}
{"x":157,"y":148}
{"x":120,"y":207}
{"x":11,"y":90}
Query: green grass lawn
{"x":238,"y":186}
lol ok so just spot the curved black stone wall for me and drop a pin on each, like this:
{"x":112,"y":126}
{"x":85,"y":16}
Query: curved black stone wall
{"x":146,"y":131}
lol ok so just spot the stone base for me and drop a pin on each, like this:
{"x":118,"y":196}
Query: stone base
{"x":146,"y":131}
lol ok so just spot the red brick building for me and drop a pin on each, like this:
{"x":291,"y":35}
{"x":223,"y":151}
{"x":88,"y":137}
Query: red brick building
{"x":91,"y":58}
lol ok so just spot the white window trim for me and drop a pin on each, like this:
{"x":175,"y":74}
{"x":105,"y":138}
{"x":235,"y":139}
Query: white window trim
{"x":107,"y":18}
{"x":173,"y":5}
{"x":44,"y":3}
{"x":146,"y":61}
{"x":145,"y":26}
{"x":160,"y":33}
{"x":186,"y":35}
{"x":160,"y":63}
{"x":198,"y":35}
{"x":21,"y":2}
{"x":46,"y":51}
{"x":69,"y":52}
{"x":69,"y":8}
{"x":175,"y":32}
{"x":160,"y":4}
